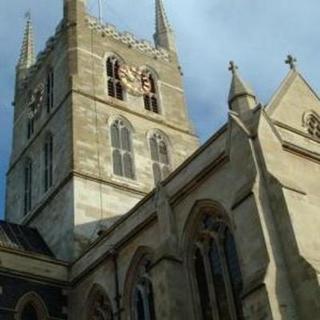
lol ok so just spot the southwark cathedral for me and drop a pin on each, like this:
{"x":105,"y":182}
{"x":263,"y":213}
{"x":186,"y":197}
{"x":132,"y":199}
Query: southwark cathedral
{"x":115,"y":212}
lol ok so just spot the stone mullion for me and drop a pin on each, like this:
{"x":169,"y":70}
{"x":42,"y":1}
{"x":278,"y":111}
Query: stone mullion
{"x":204,"y":248}
{"x":227,"y":280}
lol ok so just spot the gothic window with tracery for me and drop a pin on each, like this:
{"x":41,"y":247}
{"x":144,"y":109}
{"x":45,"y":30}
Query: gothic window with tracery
{"x":122,"y":151}
{"x":160,"y":157}
{"x":50,"y":90}
{"x":312,"y":124}
{"x":216,"y":270}
{"x":115,"y":88}
{"x":29,"y":312}
{"x":143,"y":299}
{"x":48,"y":162}
{"x":99,"y":307}
{"x":27,"y":186}
{"x":151,"y":101}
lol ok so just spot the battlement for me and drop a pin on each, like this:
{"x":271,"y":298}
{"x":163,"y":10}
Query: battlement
{"x":127,"y":38}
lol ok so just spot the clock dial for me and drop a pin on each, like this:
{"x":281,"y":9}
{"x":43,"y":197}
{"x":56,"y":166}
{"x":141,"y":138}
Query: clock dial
{"x":134,"y":79}
{"x":36,"y":101}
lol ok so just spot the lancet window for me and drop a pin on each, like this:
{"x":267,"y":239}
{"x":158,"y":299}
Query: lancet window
{"x":216,"y":270}
{"x":50,"y":90}
{"x":29,"y":313}
{"x":122,"y":151}
{"x":99,"y":307}
{"x":48,"y":162}
{"x":115,"y":88}
{"x":142,"y":295}
{"x":27,"y":186}
{"x":151,"y":101}
{"x":159,"y":157}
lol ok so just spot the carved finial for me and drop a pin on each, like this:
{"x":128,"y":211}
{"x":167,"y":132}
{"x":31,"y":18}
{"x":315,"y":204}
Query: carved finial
{"x":292,"y":62}
{"x":233,"y":67}
{"x":28,"y":15}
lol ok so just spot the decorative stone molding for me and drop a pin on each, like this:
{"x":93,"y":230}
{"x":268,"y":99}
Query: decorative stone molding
{"x":127,"y":38}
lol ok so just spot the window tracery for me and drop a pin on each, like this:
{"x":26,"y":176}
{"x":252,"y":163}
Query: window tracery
{"x":216,"y":270}
{"x":312,"y":124}
{"x":115,"y":88}
{"x":99,"y":307}
{"x":160,"y":157}
{"x":122,"y":151}
{"x":142,"y":295}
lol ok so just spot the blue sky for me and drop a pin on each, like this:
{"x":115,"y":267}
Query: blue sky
{"x":257,"y":34}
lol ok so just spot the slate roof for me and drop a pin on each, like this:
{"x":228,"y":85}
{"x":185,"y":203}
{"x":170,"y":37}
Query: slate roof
{"x":23,"y":238}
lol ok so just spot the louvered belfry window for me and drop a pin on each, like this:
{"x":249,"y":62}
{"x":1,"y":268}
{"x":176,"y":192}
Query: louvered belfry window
{"x":159,"y":157}
{"x":115,"y":88}
{"x":217,"y":270}
{"x":48,"y":163}
{"x":151,"y":101}
{"x":28,"y":186}
{"x":122,"y":151}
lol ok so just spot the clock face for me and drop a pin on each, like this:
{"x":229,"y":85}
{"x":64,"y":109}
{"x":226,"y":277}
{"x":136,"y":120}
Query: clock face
{"x":134,"y":79}
{"x":36,"y":101}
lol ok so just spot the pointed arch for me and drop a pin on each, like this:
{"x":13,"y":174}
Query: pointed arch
{"x":99,"y":305}
{"x":114,"y":86}
{"x":122,"y":147}
{"x":31,"y":303}
{"x":212,"y":262}
{"x":138,"y":289}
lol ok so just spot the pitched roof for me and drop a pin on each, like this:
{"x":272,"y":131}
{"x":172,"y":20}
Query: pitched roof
{"x":23,"y":238}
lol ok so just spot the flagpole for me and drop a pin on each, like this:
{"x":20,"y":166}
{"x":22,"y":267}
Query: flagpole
{"x":100,"y":11}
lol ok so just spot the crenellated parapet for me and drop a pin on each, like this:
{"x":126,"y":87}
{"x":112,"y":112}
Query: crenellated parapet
{"x":128,"y":39}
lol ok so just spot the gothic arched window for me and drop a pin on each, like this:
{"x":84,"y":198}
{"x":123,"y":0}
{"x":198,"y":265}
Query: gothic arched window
{"x":160,"y":157}
{"x":216,"y":270}
{"x":29,"y":312}
{"x":115,"y":88}
{"x":122,"y":151}
{"x":27,"y":186}
{"x":151,"y":101}
{"x":50,"y":90}
{"x":142,"y":294}
{"x":48,"y":162}
{"x":99,"y":306}
{"x":31,"y":307}
{"x":312,"y":124}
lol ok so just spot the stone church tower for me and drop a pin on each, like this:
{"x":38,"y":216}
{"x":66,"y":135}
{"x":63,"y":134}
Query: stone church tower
{"x":100,"y":118}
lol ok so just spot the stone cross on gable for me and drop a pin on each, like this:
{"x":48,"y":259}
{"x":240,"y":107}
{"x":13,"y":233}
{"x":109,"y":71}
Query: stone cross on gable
{"x":233,"y":67}
{"x":292,"y":62}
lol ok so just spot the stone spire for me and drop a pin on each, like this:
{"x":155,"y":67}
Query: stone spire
{"x":241,"y":96}
{"x":164,"y":36}
{"x":27,"y":55}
